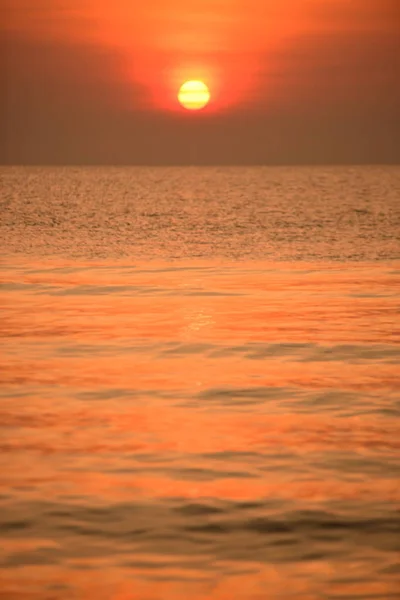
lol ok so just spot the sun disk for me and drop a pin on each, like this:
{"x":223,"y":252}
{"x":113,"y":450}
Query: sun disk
{"x":194,"y":95}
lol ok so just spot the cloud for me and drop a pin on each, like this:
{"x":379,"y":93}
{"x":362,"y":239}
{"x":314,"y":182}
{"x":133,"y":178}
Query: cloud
{"x":337,"y":70}
{"x":60,"y":98}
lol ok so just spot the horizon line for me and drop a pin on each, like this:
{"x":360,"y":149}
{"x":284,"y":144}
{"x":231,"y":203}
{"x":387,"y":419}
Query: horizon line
{"x":201,"y":165}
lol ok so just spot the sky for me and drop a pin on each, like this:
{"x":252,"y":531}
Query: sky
{"x":291,"y":82}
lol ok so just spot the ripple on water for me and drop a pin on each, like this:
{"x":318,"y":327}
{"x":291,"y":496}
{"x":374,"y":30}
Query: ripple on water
{"x":214,"y":425}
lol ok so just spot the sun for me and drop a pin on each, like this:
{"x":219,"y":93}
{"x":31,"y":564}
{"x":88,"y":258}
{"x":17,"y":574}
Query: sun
{"x":194,"y":95}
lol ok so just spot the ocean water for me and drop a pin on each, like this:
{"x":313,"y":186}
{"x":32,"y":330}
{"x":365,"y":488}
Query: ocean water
{"x":200,"y":384}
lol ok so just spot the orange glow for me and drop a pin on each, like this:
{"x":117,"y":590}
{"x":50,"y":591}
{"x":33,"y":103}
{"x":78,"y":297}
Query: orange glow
{"x":238,"y":46}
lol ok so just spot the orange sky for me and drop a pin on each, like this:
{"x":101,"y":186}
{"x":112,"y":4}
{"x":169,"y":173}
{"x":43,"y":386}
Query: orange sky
{"x":255,"y":55}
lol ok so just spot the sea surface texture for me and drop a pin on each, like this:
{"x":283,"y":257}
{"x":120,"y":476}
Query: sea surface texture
{"x":200,"y":384}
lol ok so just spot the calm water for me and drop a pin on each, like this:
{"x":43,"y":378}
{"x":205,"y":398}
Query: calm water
{"x":199,"y":384}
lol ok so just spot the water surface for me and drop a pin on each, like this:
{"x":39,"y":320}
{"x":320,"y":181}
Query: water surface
{"x":215,"y":427}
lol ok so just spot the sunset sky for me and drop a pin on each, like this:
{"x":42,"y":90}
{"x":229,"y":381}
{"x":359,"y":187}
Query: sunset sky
{"x":294,"y":81}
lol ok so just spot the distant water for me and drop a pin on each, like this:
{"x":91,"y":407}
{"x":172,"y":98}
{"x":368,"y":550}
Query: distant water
{"x":200,"y":384}
{"x":230,"y":213}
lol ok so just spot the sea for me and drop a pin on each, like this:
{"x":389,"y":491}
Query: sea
{"x":200,"y":383}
